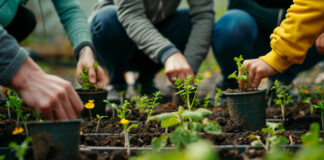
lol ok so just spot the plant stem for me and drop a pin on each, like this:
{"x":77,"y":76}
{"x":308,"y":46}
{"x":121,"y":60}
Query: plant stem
{"x":322,"y":120}
{"x":166,"y":130}
{"x":283,"y":111}
{"x":188,"y":101}
{"x":127,"y":142}
{"x":97,"y":125}
{"x":26,"y":129}
{"x":9,"y":114}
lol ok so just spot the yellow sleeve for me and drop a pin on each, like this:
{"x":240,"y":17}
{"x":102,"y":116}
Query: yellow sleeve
{"x":290,"y":41}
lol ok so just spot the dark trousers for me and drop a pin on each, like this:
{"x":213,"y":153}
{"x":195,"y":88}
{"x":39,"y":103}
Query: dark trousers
{"x":118,"y":53}
{"x":23,"y":24}
{"x":237,"y":33}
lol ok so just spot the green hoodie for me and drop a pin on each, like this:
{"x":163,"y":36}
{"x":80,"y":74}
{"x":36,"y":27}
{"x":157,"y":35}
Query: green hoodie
{"x":12,"y":57}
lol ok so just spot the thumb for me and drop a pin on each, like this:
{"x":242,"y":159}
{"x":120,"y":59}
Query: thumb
{"x":92,"y":74}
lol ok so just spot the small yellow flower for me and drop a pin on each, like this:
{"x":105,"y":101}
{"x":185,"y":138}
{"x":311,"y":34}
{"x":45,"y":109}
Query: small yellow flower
{"x":124,"y":121}
{"x":4,"y":90}
{"x":90,"y":104}
{"x":17,"y":130}
{"x":317,"y":87}
{"x":306,"y":91}
{"x":207,"y":75}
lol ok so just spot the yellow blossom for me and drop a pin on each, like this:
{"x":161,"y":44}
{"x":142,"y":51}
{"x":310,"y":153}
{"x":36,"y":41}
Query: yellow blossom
{"x":207,"y":75}
{"x":306,"y":91}
{"x":90,"y":104}
{"x":17,"y":130}
{"x":124,"y":121}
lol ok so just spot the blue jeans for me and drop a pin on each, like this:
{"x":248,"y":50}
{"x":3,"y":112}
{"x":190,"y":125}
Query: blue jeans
{"x":237,"y":33}
{"x":118,"y":53}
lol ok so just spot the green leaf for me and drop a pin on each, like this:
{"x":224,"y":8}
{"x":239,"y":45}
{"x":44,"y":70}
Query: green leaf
{"x":203,"y":111}
{"x":256,"y":143}
{"x":163,"y":116}
{"x":160,"y":142}
{"x":134,"y":125}
{"x":211,"y":127}
{"x":195,"y":116}
{"x":171,"y":121}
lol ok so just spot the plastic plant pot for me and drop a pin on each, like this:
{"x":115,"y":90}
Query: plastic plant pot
{"x":248,"y":109}
{"x":98,"y":97}
{"x":59,"y":139}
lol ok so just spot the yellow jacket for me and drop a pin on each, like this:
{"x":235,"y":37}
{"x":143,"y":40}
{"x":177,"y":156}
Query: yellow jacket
{"x":291,"y":40}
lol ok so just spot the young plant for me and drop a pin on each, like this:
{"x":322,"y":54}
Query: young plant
{"x":218,"y":97}
{"x":283,"y":98}
{"x":113,"y":106}
{"x":272,"y":141}
{"x":188,"y":91}
{"x":85,"y":80}
{"x":127,"y":129}
{"x":206,"y":100}
{"x":24,"y":119}
{"x":90,"y":105}
{"x":188,"y":125}
{"x":36,"y":116}
{"x":2,"y":116}
{"x":15,"y":103}
{"x":320,"y":106}
{"x":242,"y":72}
{"x":99,"y":119}
{"x":20,"y":149}
{"x":122,"y":112}
{"x":147,"y":105}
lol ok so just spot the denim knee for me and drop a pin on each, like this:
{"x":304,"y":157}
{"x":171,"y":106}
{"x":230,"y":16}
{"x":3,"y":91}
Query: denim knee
{"x":232,"y":29}
{"x":105,"y":24}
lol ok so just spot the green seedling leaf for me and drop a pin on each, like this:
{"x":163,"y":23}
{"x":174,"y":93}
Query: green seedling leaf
{"x":195,"y":116}
{"x":256,"y":143}
{"x":203,"y":111}
{"x":211,"y":127}
{"x":134,"y":125}
{"x":163,"y":116}
{"x":171,"y":121}
{"x":160,"y":142}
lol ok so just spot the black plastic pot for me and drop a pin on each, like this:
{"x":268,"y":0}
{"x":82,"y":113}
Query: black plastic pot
{"x":98,"y":97}
{"x":59,"y":139}
{"x":248,"y":109}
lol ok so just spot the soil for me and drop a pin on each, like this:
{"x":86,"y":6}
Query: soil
{"x":6,"y":128}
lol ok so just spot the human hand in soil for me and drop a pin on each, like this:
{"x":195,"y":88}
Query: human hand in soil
{"x":257,"y":70}
{"x":320,"y":44}
{"x":87,"y":59}
{"x":51,"y":96}
{"x":176,"y":66}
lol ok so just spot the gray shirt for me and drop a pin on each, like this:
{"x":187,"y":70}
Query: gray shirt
{"x":139,"y":16}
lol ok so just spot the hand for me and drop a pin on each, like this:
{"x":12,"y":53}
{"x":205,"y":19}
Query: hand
{"x":51,"y":96}
{"x":258,"y":70}
{"x":176,"y":66}
{"x":87,"y":59}
{"x":320,"y":44}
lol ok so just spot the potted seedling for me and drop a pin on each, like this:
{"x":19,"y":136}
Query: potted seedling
{"x":99,"y":119}
{"x":247,"y":106}
{"x":320,"y":106}
{"x":90,"y":91}
{"x":282,"y":96}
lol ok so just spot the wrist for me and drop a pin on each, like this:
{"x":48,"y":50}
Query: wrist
{"x":80,"y":47}
{"x":25,"y":73}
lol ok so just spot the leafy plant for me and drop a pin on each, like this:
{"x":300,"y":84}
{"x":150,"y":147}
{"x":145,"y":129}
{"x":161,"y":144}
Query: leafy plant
{"x":147,"y":105}
{"x":122,"y":112}
{"x":242,"y":72}
{"x":99,"y":119}
{"x":283,"y":98}
{"x":320,"y":106}
{"x":218,"y":97}
{"x":188,"y":91}
{"x":85,"y":80}
{"x":272,"y":141}
{"x":127,"y":129}
{"x":188,"y":125}
{"x":20,"y":149}
{"x":206,"y":100}
{"x":36,"y":116}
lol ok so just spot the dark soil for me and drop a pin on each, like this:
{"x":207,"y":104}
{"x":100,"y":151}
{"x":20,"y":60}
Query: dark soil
{"x":6,"y":128}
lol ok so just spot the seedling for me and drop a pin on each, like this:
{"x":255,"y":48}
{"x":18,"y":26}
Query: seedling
{"x":242,"y":72}
{"x":218,"y":97}
{"x":272,"y":141}
{"x":206,"y":100}
{"x":85,"y":80}
{"x":123,"y":112}
{"x":147,"y":105}
{"x":90,"y":105}
{"x":186,"y":90}
{"x":127,"y":129}
{"x":113,"y":106}
{"x":2,"y":116}
{"x":320,"y":106}
{"x":36,"y":116}
{"x":283,"y":98}
{"x":188,"y":125}
{"x":98,"y":122}
{"x":20,"y":149}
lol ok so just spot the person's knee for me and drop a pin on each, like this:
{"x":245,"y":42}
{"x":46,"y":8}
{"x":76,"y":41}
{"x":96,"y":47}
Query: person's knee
{"x":233,"y":28}
{"x":105,"y":24}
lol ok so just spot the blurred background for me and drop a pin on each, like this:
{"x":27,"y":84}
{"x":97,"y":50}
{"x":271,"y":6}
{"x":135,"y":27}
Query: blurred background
{"x":49,"y":46}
